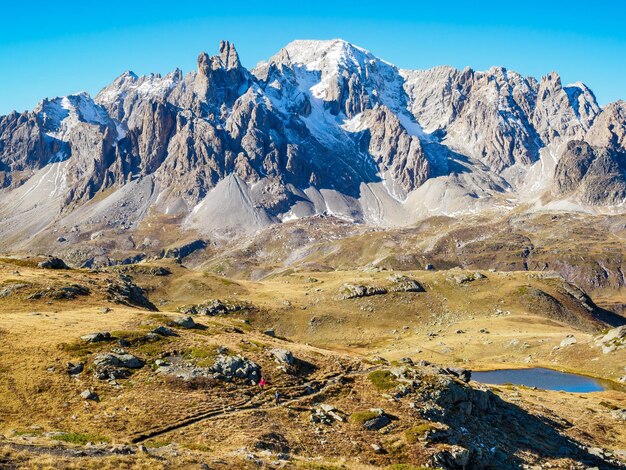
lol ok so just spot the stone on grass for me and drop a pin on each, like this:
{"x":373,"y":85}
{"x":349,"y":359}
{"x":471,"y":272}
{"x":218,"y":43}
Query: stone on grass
{"x":89,"y":395}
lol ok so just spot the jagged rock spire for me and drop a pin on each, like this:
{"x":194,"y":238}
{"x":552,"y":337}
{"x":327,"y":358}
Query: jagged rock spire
{"x":229,"y":56}
{"x":228,"y":59}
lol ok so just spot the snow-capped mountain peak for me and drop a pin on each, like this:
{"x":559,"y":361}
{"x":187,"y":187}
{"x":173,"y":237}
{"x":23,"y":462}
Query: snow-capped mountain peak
{"x":60,"y":115}
{"x":321,"y":127}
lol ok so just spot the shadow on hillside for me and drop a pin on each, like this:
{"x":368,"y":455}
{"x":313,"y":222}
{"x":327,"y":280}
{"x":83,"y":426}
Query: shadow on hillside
{"x":504,"y":431}
{"x":610,"y":318}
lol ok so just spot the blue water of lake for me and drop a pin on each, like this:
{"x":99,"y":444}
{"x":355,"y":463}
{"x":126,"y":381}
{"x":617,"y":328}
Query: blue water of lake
{"x":546,"y":379}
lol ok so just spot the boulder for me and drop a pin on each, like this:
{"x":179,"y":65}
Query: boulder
{"x":164,"y":331}
{"x":568,"y":341}
{"x":124,"y":291}
{"x":464,"y":374}
{"x":89,"y":395}
{"x":53,"y":263}
{"x":452,"y":457}
{"x":377,"y":423}
{"x":355,"y":291}
{"x":282,"y":356}
{"x":97,"y":337}
{"x":124,"y":360}
{"x":377,"y":449}
{"x":239,"y":367}
{"x":188,"y":310}
{"x":159,"y":271}
{"x":404,"y":284}
{"x":75,"y":369}
{"x":613,"y":340}
{"x":185,"y":322}
{"x":11,"y":289}
{"x":619,"y":415}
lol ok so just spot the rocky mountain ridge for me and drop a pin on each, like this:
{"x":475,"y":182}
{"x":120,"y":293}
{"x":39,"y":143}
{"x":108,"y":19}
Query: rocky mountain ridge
{"x":322,"y":127}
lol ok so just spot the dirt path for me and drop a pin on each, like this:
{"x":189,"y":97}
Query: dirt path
{"x":247,"y":405}
{"x":57,"y":450}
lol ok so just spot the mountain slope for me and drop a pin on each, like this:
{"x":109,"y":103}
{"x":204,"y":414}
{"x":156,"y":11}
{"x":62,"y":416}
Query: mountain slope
{"x":321,"y":127}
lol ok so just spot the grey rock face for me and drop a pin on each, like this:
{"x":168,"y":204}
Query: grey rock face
{"x":355,"y":291}
{"x":404,"y":284}
{"x":125,"y":360}
{"x":238,"y":367}
{"x":321,"y":127}
{"x":125,"y":291}
{"x":485,"y":114}
{"x":596,"y":175}
{"x":563,"y":113}
{"x":609,"y":129}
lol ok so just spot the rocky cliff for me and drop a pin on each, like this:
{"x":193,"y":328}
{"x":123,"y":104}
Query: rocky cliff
{"x":321,"y":127}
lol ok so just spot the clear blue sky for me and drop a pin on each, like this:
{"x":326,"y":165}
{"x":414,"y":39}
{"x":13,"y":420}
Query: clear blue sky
{"x":50,"y":48}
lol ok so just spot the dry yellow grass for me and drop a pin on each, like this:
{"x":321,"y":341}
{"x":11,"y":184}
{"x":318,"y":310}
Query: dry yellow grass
{"x":37,"y":396}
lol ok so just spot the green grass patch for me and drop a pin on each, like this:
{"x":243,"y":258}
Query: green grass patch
{"x":383,"y":380}
{"x":15,"y":281}
{"x":414,"y":434}
{"x":320,"y":466}
{"x":137,"y":339}
{"x":22,"y":263}
{"x":198,"y":447}
{"x":251,"y":345}
{"x":80,"y":348}
{"x":79,"y":439}
{"x":405,"y":466}
{"x":156,"y":444}
{"x":154,"y":347}
{"x":203,"y":356}
{"x":360,"y":417}
{"x":28,"y":432}
{"x":132,"y":336}
{"x":159,"y":318}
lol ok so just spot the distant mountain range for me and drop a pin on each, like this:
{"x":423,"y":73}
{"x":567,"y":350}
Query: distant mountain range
{"x":322,"y":127}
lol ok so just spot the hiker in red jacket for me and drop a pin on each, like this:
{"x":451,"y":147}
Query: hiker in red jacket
{"x":262,"y":383}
